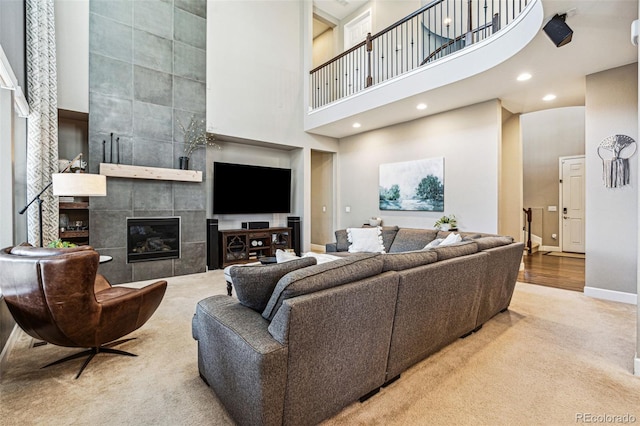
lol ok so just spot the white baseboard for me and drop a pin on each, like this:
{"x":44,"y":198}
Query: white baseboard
{"x":550,"y":248}
{"x":11,"y":342}
{"x":615,"y":296}
{"x":636,"y":366}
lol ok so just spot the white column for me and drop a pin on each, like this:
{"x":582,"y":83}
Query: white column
{"x":6,"y":167}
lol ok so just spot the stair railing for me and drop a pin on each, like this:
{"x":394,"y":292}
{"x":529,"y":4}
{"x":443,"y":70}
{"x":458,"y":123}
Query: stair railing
{"x":527,"y":228}
{"x":434,"y":31}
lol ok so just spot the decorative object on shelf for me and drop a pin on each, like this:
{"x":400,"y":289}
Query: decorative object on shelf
{"x":117,"y":150}
{"x":412,"y":185}
{"x":70,"y":184}
{"x":195,"y":137}
{"x":375,"y":221}
{"x":447,"y":223}
{"x":615,"y":169}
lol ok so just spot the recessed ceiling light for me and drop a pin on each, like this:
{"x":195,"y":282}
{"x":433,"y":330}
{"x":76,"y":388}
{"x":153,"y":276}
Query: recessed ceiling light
{"x":524,"y":76}
{"x":356,"y":125}
{"x":421,"y":106}
{"x":549,"y":97}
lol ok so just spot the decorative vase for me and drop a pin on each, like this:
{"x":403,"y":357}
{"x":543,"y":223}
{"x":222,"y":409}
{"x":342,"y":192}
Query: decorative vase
{"x":444,"y":227}
{"x":184,"y":163}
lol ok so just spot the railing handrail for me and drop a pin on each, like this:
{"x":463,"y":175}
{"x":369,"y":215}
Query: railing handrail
{"x":435,"y":30}
{"x":379,"y":33}
{"x":529,"y":213}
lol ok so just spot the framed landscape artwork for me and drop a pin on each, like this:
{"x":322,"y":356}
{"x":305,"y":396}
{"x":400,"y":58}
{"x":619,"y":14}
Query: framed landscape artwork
{"x":413,"y":185}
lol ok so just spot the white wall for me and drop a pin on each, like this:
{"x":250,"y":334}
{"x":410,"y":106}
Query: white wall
{"x":612,"y":226}
{"x":546,"y":136}
{"x":72,"y":54}
{"x":257,"y":85}
{"x":469,"y":141}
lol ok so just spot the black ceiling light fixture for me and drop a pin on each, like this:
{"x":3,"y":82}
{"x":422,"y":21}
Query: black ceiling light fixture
{"x":558,"y":31}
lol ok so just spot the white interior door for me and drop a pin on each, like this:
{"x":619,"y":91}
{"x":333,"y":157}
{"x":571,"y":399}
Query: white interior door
{"x":572,"y":203}
{"x":355,"y":31}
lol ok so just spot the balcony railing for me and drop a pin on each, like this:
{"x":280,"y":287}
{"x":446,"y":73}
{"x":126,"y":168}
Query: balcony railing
{"x":434,"y":31}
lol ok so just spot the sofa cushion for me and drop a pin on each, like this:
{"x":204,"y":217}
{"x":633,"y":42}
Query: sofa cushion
{"x":323,"y":276}
{"x":410,"y":239}
{"x":455,"y":250}
{"x":368,"y":240}
{"x":254,"y":284}
{"x":410,"y":259}
{"x":486,"y":243}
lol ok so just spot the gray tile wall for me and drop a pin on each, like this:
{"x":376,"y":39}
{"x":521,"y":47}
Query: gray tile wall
{"x":147,"y":65}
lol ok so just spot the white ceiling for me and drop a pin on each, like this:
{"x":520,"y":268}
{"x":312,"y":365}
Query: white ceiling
{"x":601,"y":40}
{"x":339,"y":9}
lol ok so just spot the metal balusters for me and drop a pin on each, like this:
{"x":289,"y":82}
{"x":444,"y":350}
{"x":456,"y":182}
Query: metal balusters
{"x":438,"y":29}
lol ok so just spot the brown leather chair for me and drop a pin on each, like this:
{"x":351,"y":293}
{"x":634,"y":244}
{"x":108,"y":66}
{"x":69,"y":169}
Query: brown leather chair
{"x":56,"y":295}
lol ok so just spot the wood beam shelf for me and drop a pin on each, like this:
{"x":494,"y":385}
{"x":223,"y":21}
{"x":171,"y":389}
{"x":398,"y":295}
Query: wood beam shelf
{"x":155,"y":173}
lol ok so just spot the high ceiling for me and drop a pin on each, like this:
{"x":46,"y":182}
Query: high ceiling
{"x":601,"y":41}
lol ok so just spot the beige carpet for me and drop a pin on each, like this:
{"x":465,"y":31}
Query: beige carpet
{"x":554,"y":355}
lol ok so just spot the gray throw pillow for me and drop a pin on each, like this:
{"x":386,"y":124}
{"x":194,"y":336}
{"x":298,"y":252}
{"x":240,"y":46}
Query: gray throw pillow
{"x":254,"y":284}
{"x":342,"y":240}
{"x":486,"y":243}
{"x":320,"y":277}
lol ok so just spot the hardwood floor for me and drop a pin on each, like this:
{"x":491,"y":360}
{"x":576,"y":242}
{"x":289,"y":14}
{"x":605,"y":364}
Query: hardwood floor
{"x":553,"y":271}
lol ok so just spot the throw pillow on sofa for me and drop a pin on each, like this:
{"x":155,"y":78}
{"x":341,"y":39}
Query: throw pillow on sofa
{"x":254,"y":284}
{"x":367,"y":240}
{"x":319,"y":277}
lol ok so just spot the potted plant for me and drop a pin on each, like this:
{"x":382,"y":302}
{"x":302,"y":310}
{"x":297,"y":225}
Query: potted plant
{"x":447,"y":223}
{"x":195,"y":137}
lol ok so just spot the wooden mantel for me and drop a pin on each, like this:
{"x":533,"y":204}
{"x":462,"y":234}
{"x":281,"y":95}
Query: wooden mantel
{"x":143,"y":172}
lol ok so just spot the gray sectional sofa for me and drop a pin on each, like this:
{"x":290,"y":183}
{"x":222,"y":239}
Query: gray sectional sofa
{"x":332,"y":333}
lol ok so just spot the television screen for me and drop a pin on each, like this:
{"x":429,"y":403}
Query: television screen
{"x":241,"y":188}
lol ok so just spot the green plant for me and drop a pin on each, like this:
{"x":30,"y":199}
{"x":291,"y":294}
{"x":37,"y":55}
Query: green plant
{"x":450,"y":220}
{"x":60,"y":244}
{"x":196,"y":136}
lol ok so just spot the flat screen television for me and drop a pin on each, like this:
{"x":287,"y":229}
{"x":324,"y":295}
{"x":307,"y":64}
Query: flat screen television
{"x":241,"y":188}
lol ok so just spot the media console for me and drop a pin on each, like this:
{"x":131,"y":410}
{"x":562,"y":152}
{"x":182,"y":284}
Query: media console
{"x":249,"y":245}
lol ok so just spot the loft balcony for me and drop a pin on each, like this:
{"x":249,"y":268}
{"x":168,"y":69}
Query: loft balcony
{"x":444,"y":42}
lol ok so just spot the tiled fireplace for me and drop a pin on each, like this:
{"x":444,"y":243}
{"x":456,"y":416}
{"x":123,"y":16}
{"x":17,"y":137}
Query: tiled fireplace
{"x":147,"y":70}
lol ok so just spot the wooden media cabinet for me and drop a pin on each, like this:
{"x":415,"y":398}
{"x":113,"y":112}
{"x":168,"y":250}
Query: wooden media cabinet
{"x":249,"y":245}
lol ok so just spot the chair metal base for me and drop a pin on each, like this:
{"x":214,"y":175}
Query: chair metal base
{"x":93,"y":352}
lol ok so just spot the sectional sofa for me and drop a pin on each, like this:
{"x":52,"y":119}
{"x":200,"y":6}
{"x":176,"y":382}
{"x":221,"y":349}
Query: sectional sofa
{"x":322,"y":336}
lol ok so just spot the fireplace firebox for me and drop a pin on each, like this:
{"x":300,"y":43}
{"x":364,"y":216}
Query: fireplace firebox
{"x":153,"y":239}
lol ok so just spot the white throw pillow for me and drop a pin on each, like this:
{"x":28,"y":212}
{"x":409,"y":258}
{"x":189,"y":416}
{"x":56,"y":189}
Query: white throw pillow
{"x":365,"y":240}
{"x":321,"y":257}
{"x":434,"y":243}
{"x":451,"y":239}
{"x":285,"y":256}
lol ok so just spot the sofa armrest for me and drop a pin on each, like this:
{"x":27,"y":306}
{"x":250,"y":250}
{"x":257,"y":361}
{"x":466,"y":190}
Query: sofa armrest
{"x":331,"y":247}
{"x":238,"y":358}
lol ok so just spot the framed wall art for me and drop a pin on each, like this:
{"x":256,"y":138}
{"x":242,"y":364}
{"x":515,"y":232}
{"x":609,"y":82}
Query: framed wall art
{"x":413,"y":185}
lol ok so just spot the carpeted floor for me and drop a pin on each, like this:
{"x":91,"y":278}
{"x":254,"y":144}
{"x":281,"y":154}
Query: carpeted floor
{"x":554,"y":356}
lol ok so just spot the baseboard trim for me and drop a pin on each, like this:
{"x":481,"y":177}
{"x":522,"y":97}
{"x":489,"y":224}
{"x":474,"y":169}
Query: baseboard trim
{"x":550,"y":248}
{"x":636,"y":366}
{"x":8,"y":347}
{"x":614,"y":296}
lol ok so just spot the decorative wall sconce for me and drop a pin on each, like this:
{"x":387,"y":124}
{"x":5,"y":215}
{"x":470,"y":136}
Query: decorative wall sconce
{"x":615,"y":163}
